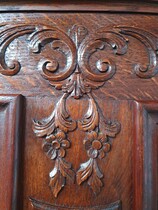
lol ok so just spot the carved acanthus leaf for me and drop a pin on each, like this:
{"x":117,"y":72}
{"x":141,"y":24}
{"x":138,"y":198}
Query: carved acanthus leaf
{"x":60,"y":118}
{"x":110,"y":128}
{"x":91,"y":118}
{"x":62,"y":171}
{"x":90,"y":171}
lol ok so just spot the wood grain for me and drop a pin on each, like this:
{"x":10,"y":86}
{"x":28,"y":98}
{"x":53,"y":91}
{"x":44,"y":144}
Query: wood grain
{"x":12,"y":117}
{"x":131,"y":6}
{"x":85,"y":69}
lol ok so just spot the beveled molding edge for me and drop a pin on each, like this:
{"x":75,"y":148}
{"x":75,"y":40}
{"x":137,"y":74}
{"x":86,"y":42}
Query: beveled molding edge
{"x":43,"y":205}
{"x":75,"y":80}
{"x":147,"y":7}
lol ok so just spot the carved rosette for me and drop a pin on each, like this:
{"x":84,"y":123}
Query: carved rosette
{"x":77,"y":78}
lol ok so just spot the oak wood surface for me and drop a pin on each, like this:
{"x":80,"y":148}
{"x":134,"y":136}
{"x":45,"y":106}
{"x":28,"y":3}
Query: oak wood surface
{"x":133,"y":6}
{"x":84,"y":133}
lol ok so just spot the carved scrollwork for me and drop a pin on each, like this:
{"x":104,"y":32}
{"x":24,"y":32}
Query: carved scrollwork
{"x":150,"y":41}
{"x":7,"y":35}
{"x":77,"y":78}
{"x":61,"y":42}
{"x":99,"y":41}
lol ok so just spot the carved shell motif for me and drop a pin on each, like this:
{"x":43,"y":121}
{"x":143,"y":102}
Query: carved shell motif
{"x":77,"y":78}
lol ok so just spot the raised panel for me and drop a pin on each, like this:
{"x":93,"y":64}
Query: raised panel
{"x":146,"y":155}
{"x":116,"y":166}
{"x":11,"y":126}
{"x":88,"y":143}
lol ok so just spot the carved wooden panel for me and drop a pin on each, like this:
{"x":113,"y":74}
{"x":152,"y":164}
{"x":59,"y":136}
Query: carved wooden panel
{"x":146,"y":154}
{"x":11,"y":108}
{"x":88,"y":79}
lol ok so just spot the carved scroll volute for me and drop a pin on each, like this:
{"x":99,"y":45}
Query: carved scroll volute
{"x":106,"y":67}
{"x":7,"y":35}
{"x":150,"y":42}
{"x":50,"y":68}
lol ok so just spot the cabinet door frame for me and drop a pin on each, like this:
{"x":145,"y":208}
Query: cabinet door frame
{"x":11,"y":150}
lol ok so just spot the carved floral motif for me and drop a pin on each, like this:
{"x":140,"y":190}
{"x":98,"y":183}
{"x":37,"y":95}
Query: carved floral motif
{"x":54,"y":130}
{"x":96,"y":144}
{"x":77,"y":78}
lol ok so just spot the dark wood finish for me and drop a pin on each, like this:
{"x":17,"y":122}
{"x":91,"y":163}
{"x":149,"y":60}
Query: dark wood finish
{"x":12,"y":117}
{"x":132,"y":6}
{"x":84,"y":133}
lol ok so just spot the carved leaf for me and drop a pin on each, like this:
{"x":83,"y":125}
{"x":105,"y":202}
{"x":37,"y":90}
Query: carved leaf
{"x":90,"y":171}
{"x":57,"y":181}
{"x":77,"y":34}
{"x":44,"y":127}
{"x":110,"y":128}
{"x":77,"y":86}
{"x":95,"y":180}
{"x":62,"y":119}
{"x":62,"y":171}
{"x":91,"y":118}
{"x":66,"y":171}
{"x":95,"y":183}
{"x":58,"y":119}
{"x":85,"y":171}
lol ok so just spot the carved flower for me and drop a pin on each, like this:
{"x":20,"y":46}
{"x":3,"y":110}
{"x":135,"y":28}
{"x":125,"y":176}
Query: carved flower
{"x":55,"y":145}
{"x":96,"y":145}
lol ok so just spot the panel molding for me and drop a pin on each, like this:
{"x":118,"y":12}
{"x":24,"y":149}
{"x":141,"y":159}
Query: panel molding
{"x":145,"y":155}
{"x":11,"y":150}
{"x":37,"y":204}
{"x":148,"y":7}
{"x":77,"y":79}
